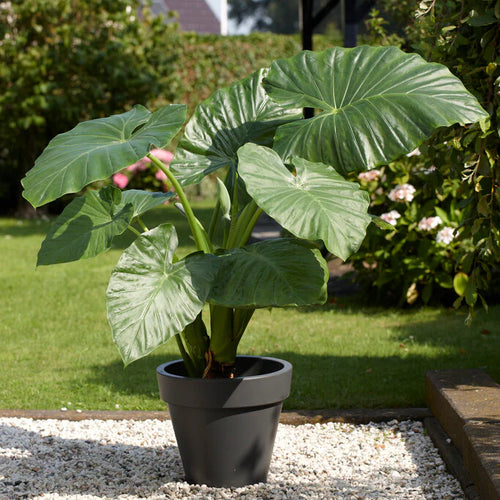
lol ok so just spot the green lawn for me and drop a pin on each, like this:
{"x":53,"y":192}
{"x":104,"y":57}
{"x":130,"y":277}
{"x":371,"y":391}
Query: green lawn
{"x":57,"y":348}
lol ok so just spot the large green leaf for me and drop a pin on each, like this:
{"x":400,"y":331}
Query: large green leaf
{"x":282,"y":272}
{"x":86,"y":227}
{"x":96,"y":149}
{"x":315,"y":203}
{"x":150,"y":298}
{"x":225,"y":121}
{"x":142,"y":201}
{"x":377,"y":103}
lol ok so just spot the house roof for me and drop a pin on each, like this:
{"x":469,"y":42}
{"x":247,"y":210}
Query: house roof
{"x":195,"y":15}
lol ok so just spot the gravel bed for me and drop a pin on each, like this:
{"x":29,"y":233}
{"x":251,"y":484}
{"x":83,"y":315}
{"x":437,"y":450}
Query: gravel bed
{"x":96,"y":459}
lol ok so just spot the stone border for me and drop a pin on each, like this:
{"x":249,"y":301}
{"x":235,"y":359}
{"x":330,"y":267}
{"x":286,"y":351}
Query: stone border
{"x":451,"y":457}
{"x":466,"y":403}
{"x":289,"y":417}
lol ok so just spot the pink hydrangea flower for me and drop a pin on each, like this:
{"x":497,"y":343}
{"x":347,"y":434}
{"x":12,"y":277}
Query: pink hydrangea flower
{"x":446,"y":235}
{"x":138,"y":166}
{"x":142,"y":164}
{"x":402,"y":192}
{"x":428,"y":223}
{"x":391,"y":217}
{"x":161,"y":154}
{"x":370,"y":175}
{"x":120,"y":180}
{"x":161,"y":175}
{"x":415,"y":152}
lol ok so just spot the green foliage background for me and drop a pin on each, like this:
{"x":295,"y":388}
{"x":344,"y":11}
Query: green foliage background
{"x":464,"y":35}
{"x":62,"y":61}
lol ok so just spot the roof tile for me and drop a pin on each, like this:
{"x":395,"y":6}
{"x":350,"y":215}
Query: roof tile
{"x":195,"y":15}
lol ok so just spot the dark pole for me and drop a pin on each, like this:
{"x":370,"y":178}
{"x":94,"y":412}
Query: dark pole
{"x":307,"y":24}
{"x":355,"y":11}
{"x":351,"y":24}
{"x":307,"y":36}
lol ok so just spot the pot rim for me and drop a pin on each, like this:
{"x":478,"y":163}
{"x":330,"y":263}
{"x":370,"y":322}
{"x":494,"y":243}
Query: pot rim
{"x":286,"y":366}
{"x":270,"y":387}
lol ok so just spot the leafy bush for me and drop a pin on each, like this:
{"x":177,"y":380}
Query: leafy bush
{"x":414,"y":260}
{"x":210,"y":62}
{"x":62,"y":61}
{"x":465,"y":36}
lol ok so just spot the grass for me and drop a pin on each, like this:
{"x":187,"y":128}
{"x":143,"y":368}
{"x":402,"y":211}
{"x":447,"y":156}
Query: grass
{"x":57,"y":348}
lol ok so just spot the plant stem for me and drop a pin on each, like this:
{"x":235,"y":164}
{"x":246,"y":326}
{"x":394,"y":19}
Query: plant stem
{"x":243,"y":228}
{"x":213,"y":221}
{"x":185,"y":357}
{"x":141,"y":223}
{"x":199,"y":234}
{"x":222,"y":342}
{"x":195,"y":342}
{"x":134,"y":230}
{"x":241,"y":319}
{"x":234,"y":214}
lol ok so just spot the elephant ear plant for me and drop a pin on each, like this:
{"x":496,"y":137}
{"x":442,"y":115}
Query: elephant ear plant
{"x":375,"y":104}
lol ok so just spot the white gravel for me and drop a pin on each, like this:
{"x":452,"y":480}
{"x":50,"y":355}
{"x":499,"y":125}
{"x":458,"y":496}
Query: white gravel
{"x":96,"y":459}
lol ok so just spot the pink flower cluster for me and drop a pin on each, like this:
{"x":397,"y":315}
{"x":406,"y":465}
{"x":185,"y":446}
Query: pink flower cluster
{"x":121,"y":179}
{"x":369,"y":175}
{"x":402,"y":192}
{"x":391,"y":217}
{"x":429,"y":223}
{"x":446,"y":235}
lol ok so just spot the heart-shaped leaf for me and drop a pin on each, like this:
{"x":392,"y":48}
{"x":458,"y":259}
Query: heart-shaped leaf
{"x":142,"y":201}
{"x":316,"y":203}
{"x":225,"y":121}
{"x":86,"y":227}
{"x":96,"y":149}
{"x":150,"y":298}
{"x":281,"y":272}
{"x":377,"y":104}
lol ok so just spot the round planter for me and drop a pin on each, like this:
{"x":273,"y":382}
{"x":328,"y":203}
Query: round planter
{"x":225,"y":428}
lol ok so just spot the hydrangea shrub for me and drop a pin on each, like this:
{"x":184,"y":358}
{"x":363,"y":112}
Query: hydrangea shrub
{"x":416,"y":261}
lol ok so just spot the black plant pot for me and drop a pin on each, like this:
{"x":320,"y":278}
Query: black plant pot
{"x":225,"y":428}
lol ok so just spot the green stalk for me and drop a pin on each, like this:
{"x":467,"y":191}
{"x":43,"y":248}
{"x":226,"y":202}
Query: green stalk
{"x":143,"y":226}
{"x":185,"y":357}
{"x":241,"y":319}
{"x":233,"y":214}
{"x":134,"y":230}
{"x":213,"y":221}
{"x":243,"y":228}
{"x":199,"y":234}
{"x":222,"y":342}
{"x":195,"y":343}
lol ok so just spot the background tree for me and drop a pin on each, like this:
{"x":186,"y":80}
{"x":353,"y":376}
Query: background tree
{"x":267,"y":15}
{"x":62,"y":61}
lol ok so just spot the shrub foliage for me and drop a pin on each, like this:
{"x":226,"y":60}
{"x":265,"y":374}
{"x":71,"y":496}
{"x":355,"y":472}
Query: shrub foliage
{"x":464,"y":189}
{"x":62,"y":61}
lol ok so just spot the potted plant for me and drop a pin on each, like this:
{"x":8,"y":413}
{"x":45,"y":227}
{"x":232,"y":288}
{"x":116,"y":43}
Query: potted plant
{"x":375,"y":104}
